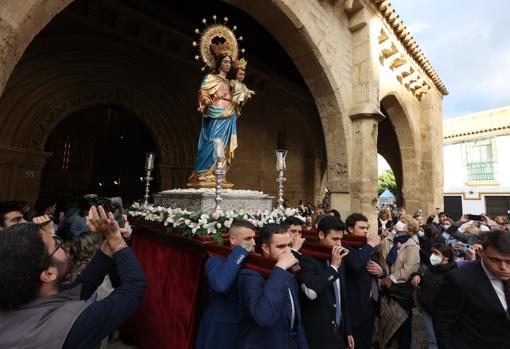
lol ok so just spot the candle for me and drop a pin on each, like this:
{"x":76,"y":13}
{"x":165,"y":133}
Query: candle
{"x":280,"y":159}
{"x":219,"y":152}
{"x":149,"y":161}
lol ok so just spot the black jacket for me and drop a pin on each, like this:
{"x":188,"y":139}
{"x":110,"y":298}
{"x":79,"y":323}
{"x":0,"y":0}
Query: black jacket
{"x":430,"y":282}
{"x":359,"y":284}
{"x":426,"y":247}
{"x":319,"y":313}
{"x":468,"y":313}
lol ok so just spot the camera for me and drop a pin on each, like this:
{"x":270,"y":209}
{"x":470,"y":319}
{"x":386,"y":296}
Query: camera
{"x":113,"y":205}
{"x":463,"y":246}
{"x":475,"y":217}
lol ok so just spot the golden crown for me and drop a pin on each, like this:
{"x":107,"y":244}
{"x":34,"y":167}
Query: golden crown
{"x":223,"y":49}
{"x":208,"y":50}
{"x":241,"y":64}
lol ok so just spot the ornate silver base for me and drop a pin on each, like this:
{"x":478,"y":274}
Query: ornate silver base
{"x":203,"y":200}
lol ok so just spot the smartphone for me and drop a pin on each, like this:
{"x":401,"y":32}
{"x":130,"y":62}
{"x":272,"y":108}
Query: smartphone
{"x":464,"y":246}
{"x":475,"y":217}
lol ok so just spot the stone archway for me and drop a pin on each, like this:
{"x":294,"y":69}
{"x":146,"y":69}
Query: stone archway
{"x":299,"y":32}
{"x":20,"y":23}
{"x":45,"y":88}
{"x":296,"y":29}
{"x":404,"y":157}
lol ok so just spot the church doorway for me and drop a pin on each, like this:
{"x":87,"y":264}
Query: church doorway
{"x":99,"y":150}
{"x":389,"y":148}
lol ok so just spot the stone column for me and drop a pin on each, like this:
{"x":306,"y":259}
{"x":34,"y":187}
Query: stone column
{"x":20,"y":173}
{"x":364,"y":165}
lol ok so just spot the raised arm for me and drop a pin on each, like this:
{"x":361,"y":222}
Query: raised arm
{"x":222,"y":273}
{"x":99,"y":319}
{"x":263,"y":299}
{"x":314,"y":279}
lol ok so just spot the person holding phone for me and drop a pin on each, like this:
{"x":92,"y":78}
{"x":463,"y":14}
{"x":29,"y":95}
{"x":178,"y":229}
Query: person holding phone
{"x":325,"y":313}
{"x":468,"y":236}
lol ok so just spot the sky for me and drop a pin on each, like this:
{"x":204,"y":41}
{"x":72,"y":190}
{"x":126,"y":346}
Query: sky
{"x":468,"y":44}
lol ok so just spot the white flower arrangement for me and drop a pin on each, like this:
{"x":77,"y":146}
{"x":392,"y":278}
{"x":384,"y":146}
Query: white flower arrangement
{"x":213,"y":224}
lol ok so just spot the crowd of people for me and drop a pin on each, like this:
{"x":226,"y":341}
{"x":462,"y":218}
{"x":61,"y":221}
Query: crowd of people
{"x":75,"y":293}
{"x":363,"y":297}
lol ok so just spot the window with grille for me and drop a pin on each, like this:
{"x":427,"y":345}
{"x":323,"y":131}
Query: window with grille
{"x":480,"y":159}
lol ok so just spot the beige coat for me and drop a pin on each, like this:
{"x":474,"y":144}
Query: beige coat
{"x":408,"y":259}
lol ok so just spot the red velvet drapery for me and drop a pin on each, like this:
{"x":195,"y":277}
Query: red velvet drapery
{"x":173,"y":265}
{"x":166,"y":317}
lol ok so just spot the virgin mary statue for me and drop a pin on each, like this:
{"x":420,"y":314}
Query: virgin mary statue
{"x":215,"y":104}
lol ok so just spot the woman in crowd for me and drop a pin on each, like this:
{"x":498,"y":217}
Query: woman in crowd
{"x":429,"y":237}
{"x":400,"y":256}
{"x":441,"y":260}
{"x":81,"y":250}
{"x":384,"y":219}
{"x":502,"y":222}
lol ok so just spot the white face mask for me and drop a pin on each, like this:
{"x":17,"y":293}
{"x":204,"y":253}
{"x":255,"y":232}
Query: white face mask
{"x":446,"y":226}
{"x":400,"y":226}
{"x":421,"y":234}
{"x":435,"y":259}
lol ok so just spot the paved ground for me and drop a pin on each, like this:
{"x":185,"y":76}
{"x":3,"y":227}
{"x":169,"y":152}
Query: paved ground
{"x":419,"y":341}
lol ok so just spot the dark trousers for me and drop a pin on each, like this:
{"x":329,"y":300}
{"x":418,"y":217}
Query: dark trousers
{"x":363,"y":331}
{"x":339,"y":337}
{"x":404,"y":334}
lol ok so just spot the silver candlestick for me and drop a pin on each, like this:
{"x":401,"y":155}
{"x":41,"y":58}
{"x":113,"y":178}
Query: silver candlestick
{"x":280,"y":167}
{"x":149,"y":166}
{"x":219,"y":173}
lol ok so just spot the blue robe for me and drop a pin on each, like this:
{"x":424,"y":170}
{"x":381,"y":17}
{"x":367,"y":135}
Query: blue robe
{"x":213,"y":127}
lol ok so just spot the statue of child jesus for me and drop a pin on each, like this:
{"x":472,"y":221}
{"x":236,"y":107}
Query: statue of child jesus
{"x":238,"y":90}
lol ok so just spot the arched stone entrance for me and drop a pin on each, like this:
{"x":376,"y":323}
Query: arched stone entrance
{"x":60,"y":74}
{"x":398,"y":144}
{"x":99,"y":150}
{"x":349,"y":55}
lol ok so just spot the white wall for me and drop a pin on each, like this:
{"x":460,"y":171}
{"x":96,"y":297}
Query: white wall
{"x":455,"y":176}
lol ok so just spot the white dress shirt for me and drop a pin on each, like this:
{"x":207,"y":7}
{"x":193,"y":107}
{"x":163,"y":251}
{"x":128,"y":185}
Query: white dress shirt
{"x":498,"y":287}
{"x":293,"y":311}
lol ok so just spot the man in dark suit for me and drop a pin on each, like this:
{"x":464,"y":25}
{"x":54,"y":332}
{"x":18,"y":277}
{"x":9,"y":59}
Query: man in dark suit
{"x":361,"y":276}
{"x":294,"y":227}
{"x":325,"y":313}
{"x":220,"y":323}
{"x":472,"y":304}
{"x":270,"y":313}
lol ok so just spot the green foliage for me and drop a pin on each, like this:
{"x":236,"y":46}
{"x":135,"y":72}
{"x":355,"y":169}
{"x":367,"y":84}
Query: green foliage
{"x":387,"y":181}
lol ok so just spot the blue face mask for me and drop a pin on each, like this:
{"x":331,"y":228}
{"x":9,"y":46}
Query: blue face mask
{"x":420,"y":234}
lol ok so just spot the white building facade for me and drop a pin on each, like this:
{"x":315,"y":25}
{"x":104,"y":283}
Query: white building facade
{"x":476,"y":150}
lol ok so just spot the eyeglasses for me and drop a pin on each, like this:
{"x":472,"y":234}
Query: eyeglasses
{"x":498,"y":260}
{"x":59,"y":243}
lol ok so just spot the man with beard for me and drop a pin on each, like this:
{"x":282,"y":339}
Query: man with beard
{"x":37,"y":312}
{"x":270,"y":312}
